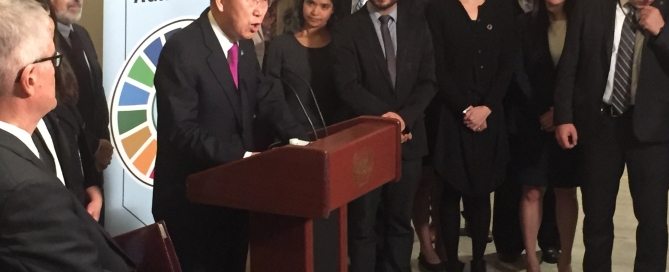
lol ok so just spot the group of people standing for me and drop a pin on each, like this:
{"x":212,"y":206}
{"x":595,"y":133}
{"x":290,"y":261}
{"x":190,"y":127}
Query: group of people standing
{"x":486,"y":95}
{"x":447,"y":80}
{"x":489,"y":95}
{"x":488,"y":98}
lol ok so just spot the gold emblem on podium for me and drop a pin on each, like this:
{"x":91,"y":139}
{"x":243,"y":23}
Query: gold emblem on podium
{"x":363,"y":163}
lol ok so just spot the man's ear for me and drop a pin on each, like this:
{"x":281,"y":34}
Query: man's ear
{"x":218,"y":5}
{"x":27,"y":81}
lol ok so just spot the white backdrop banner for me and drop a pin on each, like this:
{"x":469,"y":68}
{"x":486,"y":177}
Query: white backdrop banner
{"x":134,"y":34}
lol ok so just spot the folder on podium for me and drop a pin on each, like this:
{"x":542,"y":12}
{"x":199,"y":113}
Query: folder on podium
{"x":294,"y":192}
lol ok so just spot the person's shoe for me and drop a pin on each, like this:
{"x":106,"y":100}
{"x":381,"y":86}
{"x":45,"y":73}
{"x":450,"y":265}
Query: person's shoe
{"x":456,"y":266}
{"x":550,"y":255}
{"x":508,"y":257}
{"x":478,"y":266}
{"x":425,"y":266}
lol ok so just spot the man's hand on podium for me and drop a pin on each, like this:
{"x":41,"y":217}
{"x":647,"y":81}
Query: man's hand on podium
{"x":397,"y":117}
{"x":405,"y":137}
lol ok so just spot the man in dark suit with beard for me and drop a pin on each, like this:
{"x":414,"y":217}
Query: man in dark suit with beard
{"x":612,"y":99}
{"x":209,"y":89}
{"x":42,"y":226}
{"x":385,"y":67}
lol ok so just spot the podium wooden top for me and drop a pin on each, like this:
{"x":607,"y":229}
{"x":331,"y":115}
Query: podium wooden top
{"x":310,"y":181}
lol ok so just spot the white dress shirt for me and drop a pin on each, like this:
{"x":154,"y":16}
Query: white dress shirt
{"x":223,"y":39}
{"x":41,"y":127}
{"x":374,"y":14}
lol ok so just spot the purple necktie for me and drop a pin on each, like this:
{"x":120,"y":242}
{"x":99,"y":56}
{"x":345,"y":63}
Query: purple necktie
{"x":233,"y":59}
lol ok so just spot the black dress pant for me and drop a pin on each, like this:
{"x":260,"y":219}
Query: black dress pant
{"x":605,"y":157}
{"x":210,"y":239}
{"x":478,"y":212}
{"x":383,"y":241}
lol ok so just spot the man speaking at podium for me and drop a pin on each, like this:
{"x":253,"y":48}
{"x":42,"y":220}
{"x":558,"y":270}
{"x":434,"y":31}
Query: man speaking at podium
{"x":209,"y":89}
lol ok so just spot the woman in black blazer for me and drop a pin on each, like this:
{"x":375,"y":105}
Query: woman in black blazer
{"x":300,"y":61}
{"x":473,"y":44}
{"x":66,"y":127}
{"x":536,"y":159}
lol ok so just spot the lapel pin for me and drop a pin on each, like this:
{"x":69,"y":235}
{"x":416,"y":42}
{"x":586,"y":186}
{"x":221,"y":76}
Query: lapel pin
{"x":489,"y":27}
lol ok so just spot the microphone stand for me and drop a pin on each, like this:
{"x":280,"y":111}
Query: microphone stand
{"x":313,"y":97}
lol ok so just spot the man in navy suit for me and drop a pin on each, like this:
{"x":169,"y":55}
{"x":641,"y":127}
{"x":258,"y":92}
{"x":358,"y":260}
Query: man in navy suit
{"x":209,"y":88}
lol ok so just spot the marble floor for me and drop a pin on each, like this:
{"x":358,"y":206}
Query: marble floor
{"x":623,"y":248}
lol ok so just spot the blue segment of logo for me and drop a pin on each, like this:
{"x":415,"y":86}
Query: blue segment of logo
{"x":131,"y":95}
{"x":153,"y":51}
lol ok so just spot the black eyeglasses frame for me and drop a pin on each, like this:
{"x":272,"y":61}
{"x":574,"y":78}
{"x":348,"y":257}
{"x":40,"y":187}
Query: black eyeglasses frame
{"x":56,"y":60}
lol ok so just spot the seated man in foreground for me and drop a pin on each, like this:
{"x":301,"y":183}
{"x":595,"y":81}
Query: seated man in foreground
{"x":42,"y":226}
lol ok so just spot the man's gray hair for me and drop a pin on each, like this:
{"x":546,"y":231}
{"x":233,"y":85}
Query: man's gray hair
{"x":24,"y":35}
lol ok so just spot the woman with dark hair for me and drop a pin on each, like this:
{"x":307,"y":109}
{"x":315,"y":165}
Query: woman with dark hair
{"x":537,"y":161}
{"x":66,"y":127}
{"x":300,"y":61}
{"x":473,"y":44}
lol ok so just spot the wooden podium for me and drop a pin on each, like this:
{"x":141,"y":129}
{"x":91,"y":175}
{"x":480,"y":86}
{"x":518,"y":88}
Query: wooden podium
{"x":288,"y":189}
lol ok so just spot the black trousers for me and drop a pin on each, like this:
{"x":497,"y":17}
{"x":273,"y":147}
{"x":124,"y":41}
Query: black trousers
{"x":384,"y":244}
{"x":506,"y":220}
{"x":605,"y":157}
{"x":478,"y":212}
{"x":210,"y":239}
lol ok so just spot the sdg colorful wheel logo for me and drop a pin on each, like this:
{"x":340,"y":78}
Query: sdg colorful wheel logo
{"x":133,"y":108}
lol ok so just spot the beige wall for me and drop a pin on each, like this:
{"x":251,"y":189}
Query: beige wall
{"x":92,"y":21}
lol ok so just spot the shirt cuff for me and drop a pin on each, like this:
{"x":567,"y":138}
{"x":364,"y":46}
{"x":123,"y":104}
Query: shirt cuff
{"x":298,"y":142}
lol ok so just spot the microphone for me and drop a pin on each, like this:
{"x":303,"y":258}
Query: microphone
{"x":313,"y":97}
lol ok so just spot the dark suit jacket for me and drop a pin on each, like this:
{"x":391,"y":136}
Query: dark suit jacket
{"x":362,"y":77}
{"x":92,"y":103}
{"x":474,"y":67}
{"x":342,"y":8}
{"x":584,"y":67}
{"x":303,"y":72}
{"x":42,"y":226}
{"x":204,"y":120}
{"x":533,"y":84}
{"x":76,"y":160}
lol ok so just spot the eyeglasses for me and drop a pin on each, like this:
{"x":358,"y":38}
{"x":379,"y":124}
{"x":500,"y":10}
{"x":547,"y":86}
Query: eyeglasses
{"x":56,"y":59}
